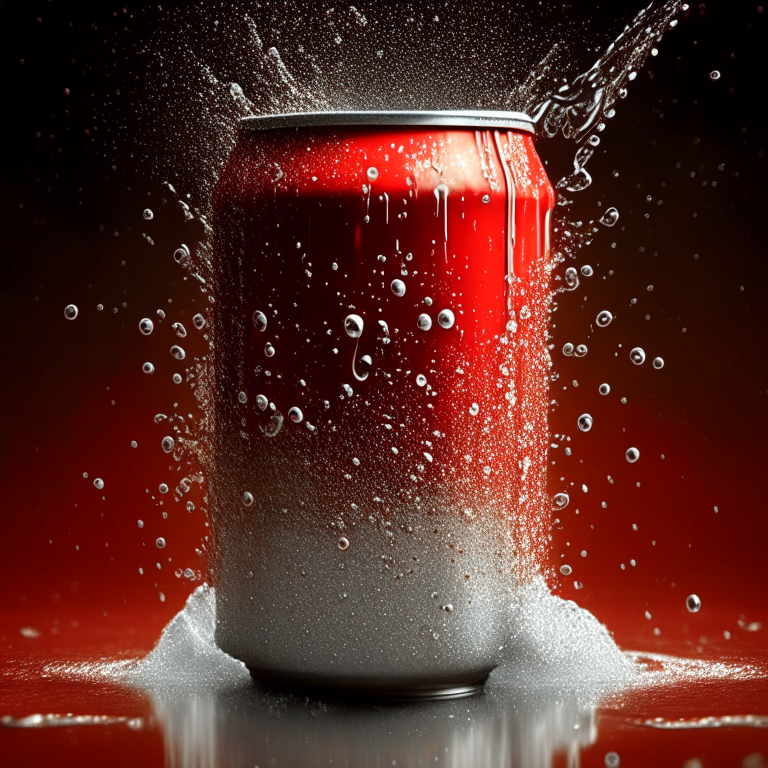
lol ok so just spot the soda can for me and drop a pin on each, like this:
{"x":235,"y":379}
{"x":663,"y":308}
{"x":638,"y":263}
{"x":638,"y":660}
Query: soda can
{"x":379,"y":396}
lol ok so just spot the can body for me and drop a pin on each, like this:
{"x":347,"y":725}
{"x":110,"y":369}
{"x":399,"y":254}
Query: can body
{"x":379,"y":401}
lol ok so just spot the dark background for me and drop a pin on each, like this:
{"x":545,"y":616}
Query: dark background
{"x":74,"y":183}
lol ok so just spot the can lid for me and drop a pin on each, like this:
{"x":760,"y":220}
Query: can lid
{"x":458,"y":118}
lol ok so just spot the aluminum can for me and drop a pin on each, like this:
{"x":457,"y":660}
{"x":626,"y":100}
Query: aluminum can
{"x":379,"y":396}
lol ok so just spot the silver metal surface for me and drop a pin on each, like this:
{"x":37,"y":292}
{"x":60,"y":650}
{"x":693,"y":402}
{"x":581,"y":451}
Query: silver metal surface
{"x":458,"y":118}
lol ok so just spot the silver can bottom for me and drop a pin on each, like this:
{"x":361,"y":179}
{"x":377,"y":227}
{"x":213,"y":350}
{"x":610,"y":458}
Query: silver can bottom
{"x":424,"y":691}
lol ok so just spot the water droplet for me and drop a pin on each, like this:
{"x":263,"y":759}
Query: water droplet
{"x":247,"y":499}
{"x":398,"y":287}
{"x":70,"y":311}
{"x":632,"y":455}
{"x":693,"y":603}
{"x":612,"y":760}
{"x":446,"y":318}
{"x":242,"y":397}
{"x":610,"y":217}
{"x":295,"y":415}
{"x":168,"y":444}
{"x":566,"y":570}
{"x":353,"y":325}
{"x":580,"y":350}
{"x":260,"y":321}
{"x":262,"y":402}
{"x":160,"y":542}
{"x":587,"y":271}
{"x":146,"y":326}
{"x":560,"y":501}
{"x":568,"y":349}
{"x":163,"y":488}
{"x":571,"y":278}
{"x":637,"y":356}
{"x":176,"y":378}
{"x":424,"y":322}
{"x":269,"y":350}
{"x":98,"y":483}
{"x":486,"y":198}
{"x":604,"y":389}
{"x":714,"y":75}
{"x":343,"y":543}
{"x":148,"y":215}
{"x":181,"y":331}
{"x":148,"y":368}
{"x":474,"y":409}
{"x":604,"y":318}
{"x":658,"y":363}
{"x":372,"y":173}
{"x":177,"y":352}
{"x":584,"y":422}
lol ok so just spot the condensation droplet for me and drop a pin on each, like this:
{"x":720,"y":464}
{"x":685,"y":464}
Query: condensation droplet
{"x":146,"y":326}
{"x":148,"y":368}
{"x":148,"y":215}
{"x":693,"y":603}
{"x":424,"y":322}
{"x":604,"y":389}
{"x":168,"y":444}
{"x":70,"y":311}
{"x":247,"y":499}
{"x":584,"y":422}
{"x":610,"y":217}
{"x":343,"y":543}
{"x":474,"y":409}
{"x":98,"y":483}
{"x":177,"y":352}
{"x":637,"y":355}
{"x":260,"y":321}
{"x":632,"y":455}
{"x":160,"y":542}
{"x":262,"y":402}
{"x":353,"y":325}
{"x":560,"y":501}
{"x":658,"y":363}
{"x":604,"y":318}
{"x":446,"y":318}
{"x":295,"y":415}
{"x":398,"y":287}
{"x":269,"y":350}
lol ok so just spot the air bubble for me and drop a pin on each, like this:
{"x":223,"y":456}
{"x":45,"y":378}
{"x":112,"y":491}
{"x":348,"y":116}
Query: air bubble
{"x":612,"y":760}
{"x":140,"y":523}
{"x":163,"y":488}
{"x":587,"y":271}
{"x":181,"y":254}
{"x":693,"y":603}
{"x":146,"y":326}
{"x":566,"y":570}
{"x":580,"y":350}
{"x":148,"y":215}
{"x":568,"y":349}
{"x":637,"y":355}
{"x":98,"y":483}
{"x":148,"y":368}
{"x":70,"y":311}
{"x":446,"y":318}
{"x":247,"y":499}
{"x":486,"y":198}
{"x":260,"y":321}
{"x":632,"y":455}
{"x":428,"y":301}
{"x":269,"y":350}
{"x":295,"y":415}
{"x":421,"y":380}
{"x":424,"y":322}
{"x":571,"y":278}
{"x":160,"y":542}
{"x":176,"y":378}
{"x":604,"y":318}
{"x":168,"y":444}
{"x":353,"y":325}
{"x":177,"y":352}
{"x":262,"y":402}
{"x":560,"y":501}
{"x":584,"y":422}
{"x":242,"y":397}
{"x":474,"y":409}
{"x":398,"y":287}
{"x":343,"y":543}
{"x":658,"y":363}
{"x":604,"y":389}
{"x":372,"y":173}
{"x":610,"y":217}
{"x":714,"y":75}
{"x":134,"y":444}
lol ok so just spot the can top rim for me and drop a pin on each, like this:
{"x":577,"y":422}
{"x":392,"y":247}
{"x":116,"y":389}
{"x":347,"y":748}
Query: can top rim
{"x":456,"y":118}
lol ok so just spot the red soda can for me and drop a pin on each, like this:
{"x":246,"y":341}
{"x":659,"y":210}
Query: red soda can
{"x":379,"y":391}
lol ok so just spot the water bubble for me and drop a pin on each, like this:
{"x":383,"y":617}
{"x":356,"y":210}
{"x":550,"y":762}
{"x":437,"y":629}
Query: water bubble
{"x":446,"y":318}
{"x":632,"y":455}
{"x":134,"y":444}
{"x":612,"y":760}
{"x":269,"y":350}
{"x":353,"y":325}
{"x":587,"y":271}
{"x":242,"y":397}
{"x":693,"y":603}
{"x":261,"y":401}
{"x":163,"y":488}
{"x":372,"y":173}
{"x":486,"y":198}
{"x":343,"y":543}
{"x":604,"y":318}
{"x":177,"y":352}
{"x":604,"y":389}
{"x":70,"y":311}
{"x":637,"y":356}
{"x":148,"y":368}
{"x":295,"y":415}
{"x":566,"y":570}
{"x":181,"y":331}
{"x":148,"y":215}
{"x":580,"y":350}
{"x":98,"y":483}
{"x":146,"y":326}
{"x":560,"y":501}
{"x":584,"y":422}
{"x":474,"y":409}
{"x":610,"y":217}
{"x":568,"y":349}
{"x":714,"y":75}
{"x":260,"y":320}
{"x":428,"y":301}
{"x":168,"y":444}
{"x":424,"y":322}
{"x":160,"y":542}
{"x":421,"y":380}
{"x":398,"y":287}
{"x":571,"y":278}
{"x":658,"y":363}
{"x":176,"y":378}
{"x":247,"y":499}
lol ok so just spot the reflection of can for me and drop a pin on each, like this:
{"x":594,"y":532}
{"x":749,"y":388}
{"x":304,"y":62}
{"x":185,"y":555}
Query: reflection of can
{"x":380,"y":396}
